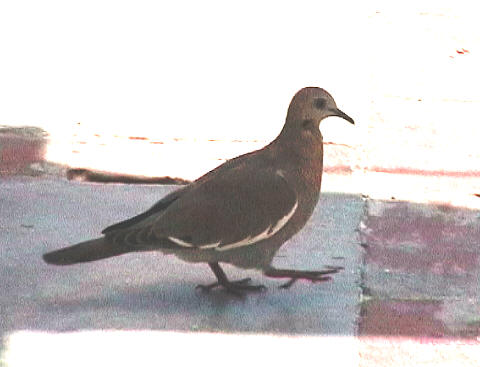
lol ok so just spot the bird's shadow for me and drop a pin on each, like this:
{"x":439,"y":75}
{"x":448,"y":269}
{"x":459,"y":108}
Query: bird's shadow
{"x":181,"y":307}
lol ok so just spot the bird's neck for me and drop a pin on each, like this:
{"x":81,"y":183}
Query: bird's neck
{"x":301,"y":150}
{"x":301,"y":137}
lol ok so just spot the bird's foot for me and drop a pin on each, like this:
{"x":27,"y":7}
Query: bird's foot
{"x":236,"y":287}
{"x":294,"y":275}
{"x":208,"y":287}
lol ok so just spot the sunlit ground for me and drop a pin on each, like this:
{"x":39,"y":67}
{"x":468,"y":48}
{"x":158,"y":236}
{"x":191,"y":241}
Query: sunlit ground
{"x":152,"y":348}
{"x":402,"y":167}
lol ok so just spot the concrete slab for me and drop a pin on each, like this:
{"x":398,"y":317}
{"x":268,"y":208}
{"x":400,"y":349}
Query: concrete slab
{"x":155,"y":292}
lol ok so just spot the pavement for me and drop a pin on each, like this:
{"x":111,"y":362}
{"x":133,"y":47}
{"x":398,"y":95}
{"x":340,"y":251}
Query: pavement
{"x":409,"y":293}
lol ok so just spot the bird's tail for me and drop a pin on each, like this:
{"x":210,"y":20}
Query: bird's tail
{"x":92,"y":250}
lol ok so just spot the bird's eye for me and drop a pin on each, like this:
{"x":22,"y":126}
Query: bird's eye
{"x":320,"y":103}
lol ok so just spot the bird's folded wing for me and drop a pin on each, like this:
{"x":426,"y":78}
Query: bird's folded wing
{"x":237,"y":208}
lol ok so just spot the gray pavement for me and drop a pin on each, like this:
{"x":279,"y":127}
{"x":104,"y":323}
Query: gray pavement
{"x":156,"y":292}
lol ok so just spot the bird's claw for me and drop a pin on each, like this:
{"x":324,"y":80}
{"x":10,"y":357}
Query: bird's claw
{"x":313,"y":276}
{"x":313,"y":279}
{"x":236,"y":287}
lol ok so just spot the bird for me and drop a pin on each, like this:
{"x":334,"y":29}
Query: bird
{"x":239,"y":213}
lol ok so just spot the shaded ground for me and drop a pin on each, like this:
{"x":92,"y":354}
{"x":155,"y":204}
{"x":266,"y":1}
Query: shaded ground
{"x":152,"y":291}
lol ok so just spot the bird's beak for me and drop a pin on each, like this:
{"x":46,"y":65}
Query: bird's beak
{"x":343,"y":115}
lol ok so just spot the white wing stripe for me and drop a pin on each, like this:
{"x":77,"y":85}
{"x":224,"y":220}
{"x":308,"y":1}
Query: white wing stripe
{"x":209,"y":245}
{"x":186,"y":244}
{"x":180,"y":242}
{"x":269,"y":232}
{"x":246,"y":241}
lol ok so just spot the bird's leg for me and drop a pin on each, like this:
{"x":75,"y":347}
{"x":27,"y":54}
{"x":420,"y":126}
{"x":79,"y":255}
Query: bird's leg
{"x":235,"y":287}
{"x":294,"y":275}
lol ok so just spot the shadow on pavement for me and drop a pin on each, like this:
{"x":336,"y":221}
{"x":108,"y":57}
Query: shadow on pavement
{"x":156,"y":292}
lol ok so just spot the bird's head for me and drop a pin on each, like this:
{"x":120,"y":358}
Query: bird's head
{"x":310,"y":106}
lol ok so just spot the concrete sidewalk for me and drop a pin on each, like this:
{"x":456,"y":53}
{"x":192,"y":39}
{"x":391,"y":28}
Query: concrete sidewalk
{"x":154,"y":291}
{"x":410,"y":284}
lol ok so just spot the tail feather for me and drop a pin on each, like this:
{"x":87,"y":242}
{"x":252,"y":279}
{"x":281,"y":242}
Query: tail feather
{"x":92,"y":250}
